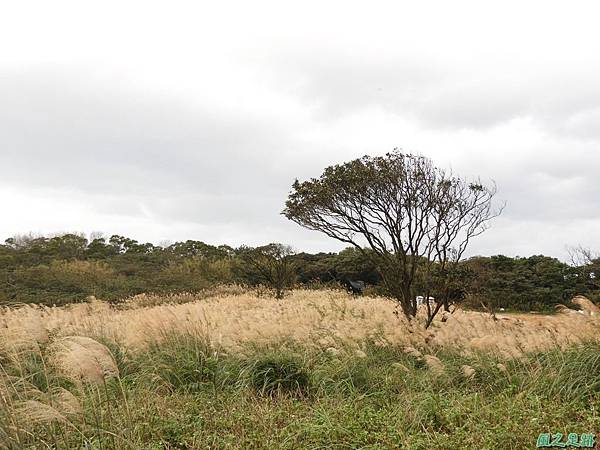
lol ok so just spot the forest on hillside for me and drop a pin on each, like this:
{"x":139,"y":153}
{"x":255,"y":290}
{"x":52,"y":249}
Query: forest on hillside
{"x":68,"y":268}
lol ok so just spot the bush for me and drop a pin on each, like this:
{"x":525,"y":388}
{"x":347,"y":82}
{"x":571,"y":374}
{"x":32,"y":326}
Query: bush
{"x":182,"y":363}
{"x":277,"y":374}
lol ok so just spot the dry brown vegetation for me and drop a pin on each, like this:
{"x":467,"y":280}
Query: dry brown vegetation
{"x":321,"y":319}
{"x":148,"y":370}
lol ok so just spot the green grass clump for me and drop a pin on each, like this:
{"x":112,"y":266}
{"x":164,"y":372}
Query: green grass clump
{"x":274,"y":374}
{"x":179,"y":362}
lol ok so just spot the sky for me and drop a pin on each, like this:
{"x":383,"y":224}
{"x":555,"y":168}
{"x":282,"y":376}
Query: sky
{"x":168,"y":121}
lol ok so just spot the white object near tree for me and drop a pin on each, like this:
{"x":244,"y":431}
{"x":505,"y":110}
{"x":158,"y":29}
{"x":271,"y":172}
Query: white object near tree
{"x":421,"y":300}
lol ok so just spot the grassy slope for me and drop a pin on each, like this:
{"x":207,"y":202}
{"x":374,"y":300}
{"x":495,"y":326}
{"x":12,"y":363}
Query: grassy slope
{"x":183,"y":395}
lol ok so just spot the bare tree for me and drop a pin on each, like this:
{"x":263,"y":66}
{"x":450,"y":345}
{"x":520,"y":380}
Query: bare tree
{"x":585,"y":263}
{"x":272,"y":265}
{"x":411,"y":214}
{"x":582,"y":256}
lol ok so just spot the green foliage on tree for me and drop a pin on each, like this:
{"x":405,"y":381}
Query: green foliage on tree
{"x":536,"y":283}
{"x":271,"y":265}
{"x":66,"y":269}
{"x":403,"y":213}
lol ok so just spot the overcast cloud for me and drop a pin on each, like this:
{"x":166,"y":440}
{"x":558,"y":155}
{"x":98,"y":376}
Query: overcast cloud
{"x":190,"y":120}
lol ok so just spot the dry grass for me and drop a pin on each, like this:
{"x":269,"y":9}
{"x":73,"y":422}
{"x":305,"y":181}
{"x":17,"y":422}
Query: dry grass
{"x":322,"y":319}
{"x":36,"y":412}
{"x":82,"y":360}
{"x":60,"y":386}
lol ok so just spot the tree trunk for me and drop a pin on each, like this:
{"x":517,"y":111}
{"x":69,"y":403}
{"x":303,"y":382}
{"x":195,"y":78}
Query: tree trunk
{"x":431,"y":315}
{"x":446,"y":305}
{"x":407,"y":301}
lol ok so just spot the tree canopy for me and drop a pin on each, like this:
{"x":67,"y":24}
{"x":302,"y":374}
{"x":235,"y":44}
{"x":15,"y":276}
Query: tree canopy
{"x":408,"y":212}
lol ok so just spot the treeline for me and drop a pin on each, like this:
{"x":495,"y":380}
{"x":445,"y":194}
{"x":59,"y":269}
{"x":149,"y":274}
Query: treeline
{"x":68,"y":268}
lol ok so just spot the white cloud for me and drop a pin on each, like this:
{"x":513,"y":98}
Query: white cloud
{"x":190,"y":120}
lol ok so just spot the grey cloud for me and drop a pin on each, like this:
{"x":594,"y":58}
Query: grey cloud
{"x":556,"y":183}
{"x":64,"y":132}
{"x":59,"y":130}
{"x":478,"y":96}
{"x":185,"y":165}
{"x":584,"y":124}
{"x":335,"y":84}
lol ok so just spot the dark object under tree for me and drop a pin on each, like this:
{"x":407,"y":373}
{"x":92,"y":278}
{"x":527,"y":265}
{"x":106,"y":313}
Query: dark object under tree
{"x":356,"y":287}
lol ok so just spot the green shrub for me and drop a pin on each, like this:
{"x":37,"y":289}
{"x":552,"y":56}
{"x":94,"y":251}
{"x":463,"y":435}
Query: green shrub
{"x":570,"y":374}
{"x":181,"y":362}
{"x":277,"y":374}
